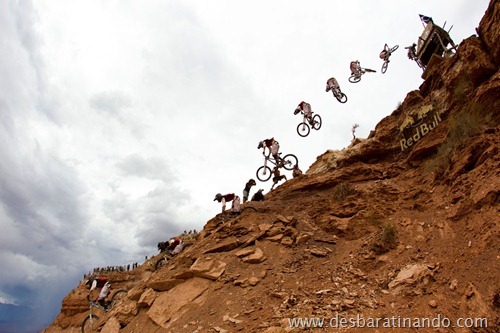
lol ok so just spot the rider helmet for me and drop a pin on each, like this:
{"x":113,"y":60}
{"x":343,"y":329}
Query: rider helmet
{"x":218,"y":197}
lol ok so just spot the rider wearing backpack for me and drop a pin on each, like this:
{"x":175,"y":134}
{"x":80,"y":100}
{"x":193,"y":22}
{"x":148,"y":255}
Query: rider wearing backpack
{"x":306,"y":108}
{"x":355,"y":67}
{"x":332,"y":84}
{"x":102,"y":283}
{"x":175,"y":245}
{"x":267,"y":143}
{"x":384,"y":55}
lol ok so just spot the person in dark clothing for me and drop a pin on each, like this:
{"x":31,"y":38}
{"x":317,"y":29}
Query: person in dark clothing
{"x":246,"y":190}
{"x":258,"y":196}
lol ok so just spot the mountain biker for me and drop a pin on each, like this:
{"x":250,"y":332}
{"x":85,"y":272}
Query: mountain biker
{"x":277,"y":177}
{"x":385,"y":54}
{"x":258,"y":196}
{"x":296,"y":171}
{"x":332,"y":84}
{"x":275,"y":149}
{"x":355,"y":67}
{"x":306,"y":108}
{"x":412,"y":51}
{"x":105,"y":286}
{"x":175,"y":245}
{"x":246,"y":190}
{"x":224,"y":198}
{"x":267,"y":143}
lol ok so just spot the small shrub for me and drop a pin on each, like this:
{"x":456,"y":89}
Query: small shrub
{"x":462,"y":87}
{"x":342,"y":191}
{"x":462,"y":128}
{"x":386,"y":240}
{"x":374,"y":219}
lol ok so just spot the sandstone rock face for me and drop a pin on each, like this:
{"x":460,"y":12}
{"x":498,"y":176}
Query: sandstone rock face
{"x":170,"y":305}
{"x":208,"y":268}
{"x":164,"y":285}
{"x":111,"y":326}
{"x":147,"y":298}
{"x":308,"y":248}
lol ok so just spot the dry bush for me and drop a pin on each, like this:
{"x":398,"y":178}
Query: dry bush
{"x":342,"y":191}
{"x":462,"y":128}
{"x":386,"y":240}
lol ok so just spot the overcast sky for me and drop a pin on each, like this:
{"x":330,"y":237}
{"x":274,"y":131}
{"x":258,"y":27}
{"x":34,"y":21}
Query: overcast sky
{"x":120,"y":120}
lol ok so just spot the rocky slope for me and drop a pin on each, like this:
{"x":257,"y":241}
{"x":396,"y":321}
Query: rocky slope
{"x":403,"y":224}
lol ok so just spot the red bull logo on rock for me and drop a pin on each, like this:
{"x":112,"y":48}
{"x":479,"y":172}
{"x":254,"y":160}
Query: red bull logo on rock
{"x":414,"y":130}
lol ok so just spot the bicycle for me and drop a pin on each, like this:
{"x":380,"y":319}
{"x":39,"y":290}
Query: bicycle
{"x":92,"y":320}
{"x":264,"y":173}
{"x":167,"y":256}
{"x":386,"y":60}
{"x":412,"y":55}
{"x":356,"y":77}
{"x":339,"y":95}
{"x":303,"y":129}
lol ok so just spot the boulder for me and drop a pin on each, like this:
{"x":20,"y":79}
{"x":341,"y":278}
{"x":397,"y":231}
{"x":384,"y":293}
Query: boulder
{"x":410,"y":275}
{"x":276,"y":238}
{"x":208,"y":268}
{"x":256,"y":257}
{"x":225,"y":246}
{"x":245,"y":252}
{"x":164,"y":285}
{"x":287,"y":241}
{"x":147,"y":298}
{"x":302,"y":238}
{"x":112,"y":326}
{"x":172,"y":304}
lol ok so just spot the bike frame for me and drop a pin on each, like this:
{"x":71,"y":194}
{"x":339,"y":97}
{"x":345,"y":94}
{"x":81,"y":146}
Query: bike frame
{"x":91,"y":315}
{"x":269,"y":158}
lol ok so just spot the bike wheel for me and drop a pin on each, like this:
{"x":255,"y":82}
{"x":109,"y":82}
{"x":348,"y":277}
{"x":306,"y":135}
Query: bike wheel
{"x":317,"y":122}
{"x":88,"y":323}
{"x":354,"y":79}
{"x":161,"y":262}
{"x":249,"y":208}
{"x":289,"y":161}
{"x":341,"y":97}
{"x":384,"y":67}
{"x":394,"y":48}
{"x":264,"y":173}
{"x":303,"y":129}
{"x":119,"y":295}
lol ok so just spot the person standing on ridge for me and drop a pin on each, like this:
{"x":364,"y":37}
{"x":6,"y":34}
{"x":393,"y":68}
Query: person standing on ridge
{"x":246,"y":190}
{"x":296,"y":171}
{"x":224,"y":198}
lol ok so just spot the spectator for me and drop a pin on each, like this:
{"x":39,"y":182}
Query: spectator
{"x":258,"y":196}
{"x":296,"y":171}
{"x":246,"y":190}
{"x":224,"y":198}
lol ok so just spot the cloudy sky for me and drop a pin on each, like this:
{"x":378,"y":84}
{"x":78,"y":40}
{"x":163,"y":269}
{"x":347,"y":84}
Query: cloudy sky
{"x":120,"y":119}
